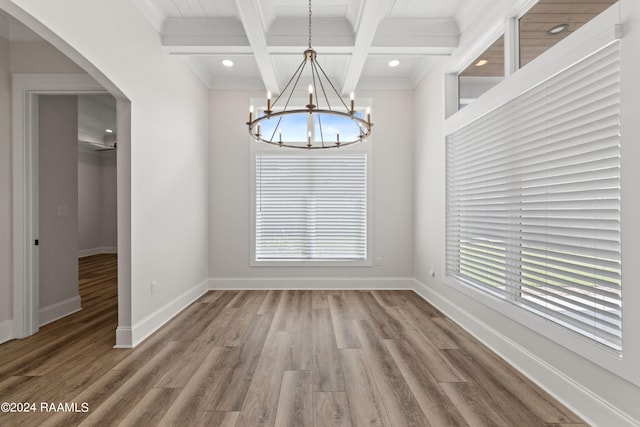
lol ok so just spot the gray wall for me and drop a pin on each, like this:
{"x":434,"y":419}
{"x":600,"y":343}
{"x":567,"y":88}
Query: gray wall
{"x":97,"y":208}
{"x":58,"y":198}
{"x":392,"y":192}
{"x":5,"y":183}
{"x":17,"y":57}
{"x":109,"y":200}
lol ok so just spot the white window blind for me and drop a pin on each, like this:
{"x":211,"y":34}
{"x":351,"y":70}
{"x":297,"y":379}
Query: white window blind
{"x":311,"y":207}
{"x":533,"y":199}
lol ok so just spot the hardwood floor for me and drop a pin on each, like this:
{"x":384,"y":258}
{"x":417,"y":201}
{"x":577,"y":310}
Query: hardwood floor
{"x":269,"y":358}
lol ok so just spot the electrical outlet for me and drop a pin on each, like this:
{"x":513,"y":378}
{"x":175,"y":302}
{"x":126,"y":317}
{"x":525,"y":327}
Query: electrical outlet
{"x":154,"y":287}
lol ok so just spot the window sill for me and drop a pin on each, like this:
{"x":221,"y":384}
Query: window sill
{"x":311,"y":263}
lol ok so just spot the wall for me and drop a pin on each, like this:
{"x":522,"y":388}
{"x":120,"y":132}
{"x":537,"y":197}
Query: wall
{"x":58,"y":205}
{"x":89,"y":177}
{"x":5,"y":191}
{"x":39,"y":57}
{"x":604,"y":396}
{"x":163,"y":189}
{"x":109,"y":200}
{"x":17,"y":57}
{"x":97,"y":208}
{"x":229,"y":206}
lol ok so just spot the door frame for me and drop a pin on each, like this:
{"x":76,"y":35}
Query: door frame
{"x":25,"y":171}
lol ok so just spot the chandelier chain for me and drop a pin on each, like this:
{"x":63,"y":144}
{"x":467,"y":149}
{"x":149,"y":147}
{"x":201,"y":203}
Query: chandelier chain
{"x":309,"y":24}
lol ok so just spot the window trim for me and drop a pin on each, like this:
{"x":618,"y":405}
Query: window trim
{"x":598,"y":32}
{"x":460,"y":62}
{"x":507,"y":23}
{"x":365,"y":147}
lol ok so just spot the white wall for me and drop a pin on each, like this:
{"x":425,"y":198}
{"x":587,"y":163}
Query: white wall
{"x":164,"y":214}
{"x":97,"y":208}
{"x":392,"y":237}
{"x":597,"y":393}
{"x":5,"y":186}
{"x":58,"y":199}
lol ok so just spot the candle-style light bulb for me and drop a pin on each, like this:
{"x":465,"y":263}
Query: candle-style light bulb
{"x":250,"y":113}
{"x":310,"y":95}
{"x":280,"y":136}
{"x":353,"y":97}
{"x":338,"y":137}
{"x":309,"y":139}
{"x":369,"y":115}
{"x":268,"y":100}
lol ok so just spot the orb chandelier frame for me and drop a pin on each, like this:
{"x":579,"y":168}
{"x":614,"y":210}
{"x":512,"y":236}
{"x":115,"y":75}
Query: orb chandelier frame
{"x":319,"y":84}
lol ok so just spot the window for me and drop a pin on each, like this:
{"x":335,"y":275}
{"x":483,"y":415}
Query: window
{"x":550,"y":21}
{"x":310,"y":207}
{"x":533,"y":200}
{"x":486,"y":71}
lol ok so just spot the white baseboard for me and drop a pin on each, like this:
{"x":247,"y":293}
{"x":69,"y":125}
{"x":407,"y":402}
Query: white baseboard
{"x":584,"y":402}
{"x":130,"y":337}
{"x":59,"y":310}
{"x":95,"y":251}
{"x":309,"y":283}
{"x":6,"y":331}
{"x":124,"y":337}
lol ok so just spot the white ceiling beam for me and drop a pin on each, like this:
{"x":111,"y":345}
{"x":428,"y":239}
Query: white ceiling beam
{"x":326,"y":32}
{"x":202,"y":36}
{"x":332,"y":36}
{"x":251,"y":18}
{"x":372,"y":14}
{"x":411,"y":33}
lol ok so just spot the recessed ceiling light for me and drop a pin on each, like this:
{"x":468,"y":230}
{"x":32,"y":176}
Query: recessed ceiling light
{"x":481,"y":63}
{"x":227,"y":63}
{"x":394,"y":63}
{"x":558,"y":29}
{"x":108,"y":131}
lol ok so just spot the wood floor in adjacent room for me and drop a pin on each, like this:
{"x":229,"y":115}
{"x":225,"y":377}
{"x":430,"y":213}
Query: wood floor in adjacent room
{"x":265,"y":358}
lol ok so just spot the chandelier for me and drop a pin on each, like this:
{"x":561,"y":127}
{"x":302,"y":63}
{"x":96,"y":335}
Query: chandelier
{"x":276,"y":126}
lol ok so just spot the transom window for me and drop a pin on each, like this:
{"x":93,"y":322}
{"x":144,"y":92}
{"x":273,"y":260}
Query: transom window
{"x":486,"y":71}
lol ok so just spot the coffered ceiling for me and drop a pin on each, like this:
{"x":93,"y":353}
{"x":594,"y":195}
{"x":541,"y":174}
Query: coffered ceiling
{"x":355,"y":39}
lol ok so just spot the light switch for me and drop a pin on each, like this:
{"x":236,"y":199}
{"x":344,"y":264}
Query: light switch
{"x":63,"y":210}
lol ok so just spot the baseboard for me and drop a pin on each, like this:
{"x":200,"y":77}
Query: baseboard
{"x":309,"y":283}
{"x":131,"y":337}
{"x":124,"y":337}
{"x":6,"y":331}
{"x":579,"y":399}
{"x":59,"y":310}
{"x":95,"y":251}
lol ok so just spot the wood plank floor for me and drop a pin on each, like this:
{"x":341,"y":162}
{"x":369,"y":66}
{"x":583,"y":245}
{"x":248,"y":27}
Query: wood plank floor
{"x":269,"y":358}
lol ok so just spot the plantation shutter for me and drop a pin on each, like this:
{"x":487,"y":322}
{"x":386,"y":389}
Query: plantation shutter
{"x":311,"y":207}
{"x":533,"y":199}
